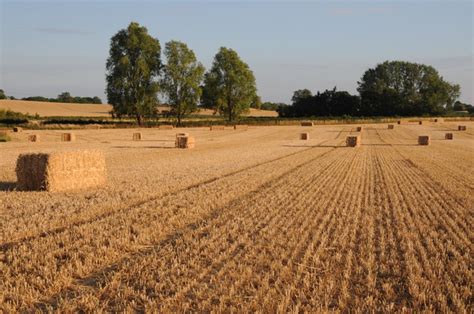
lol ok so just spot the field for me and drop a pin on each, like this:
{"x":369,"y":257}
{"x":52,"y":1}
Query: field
{"x":52,"y":109}
{"x":254,"y":220}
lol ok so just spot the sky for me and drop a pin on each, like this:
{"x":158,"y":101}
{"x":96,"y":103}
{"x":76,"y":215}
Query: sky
{"x":48,"y":47}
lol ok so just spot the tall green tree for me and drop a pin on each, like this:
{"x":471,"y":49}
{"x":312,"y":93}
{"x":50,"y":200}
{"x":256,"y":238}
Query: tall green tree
{"x":230,"y":83}
{"x":133,"y":68}
{"x":404,"y":88}
{"x":183,"y":75}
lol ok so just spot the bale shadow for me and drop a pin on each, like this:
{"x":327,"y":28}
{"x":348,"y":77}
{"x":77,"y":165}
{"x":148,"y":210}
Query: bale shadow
{"x":148,"y":147}
{"x":7,"y":186}
{"x":314,"y":146}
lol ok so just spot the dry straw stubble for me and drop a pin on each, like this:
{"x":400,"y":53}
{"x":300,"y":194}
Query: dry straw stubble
{"x":61,"y":171}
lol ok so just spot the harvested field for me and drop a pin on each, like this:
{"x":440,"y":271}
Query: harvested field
{"x":246,"y":221}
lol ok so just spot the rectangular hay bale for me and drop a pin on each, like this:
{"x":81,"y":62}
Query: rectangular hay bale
{"x":462,"y":128}
{"x":391,"y":126}
{"x":68,"y":137}
{"x":17,"y":129}
{"x":424,"y":140}
{"x":185,"y":142}
{"x":359,"y":129}
{"x":304,"y":136}
{"x":448,"y":136}
{"x":420,"y":122}
{"x":137,"y":136}
{"x":353,"y":141}
{"x":217,"y":127}
{"x":241,"y":127}
{"x":61,"y":171}
{"x":33,"y":138}
{"x":307,"y":123}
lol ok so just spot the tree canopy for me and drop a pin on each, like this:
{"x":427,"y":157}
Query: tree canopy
{"x":2,"y":94}
{"x":183,"y":75}
{"x":133,"y":68}
{"x":230,"y":84}
{"x":404,"y":88}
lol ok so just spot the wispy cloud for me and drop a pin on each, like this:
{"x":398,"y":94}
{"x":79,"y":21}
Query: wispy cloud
{"x":60,"y":30}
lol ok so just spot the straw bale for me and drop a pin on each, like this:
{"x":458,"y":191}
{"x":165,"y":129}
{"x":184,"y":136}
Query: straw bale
{"x":424,"y":140}
{"x":391,"y":126}
{"x":353,"y":141}
{"x":216,"y":127}
{"x":448,"y":136}
{"x":307,"y":123}
{"x":359,"y":129}
{"x":17,"y":129}
{"x":462,"y":128}
{"x":165,"y":127}
{"x":61,"y":171}
{"x":68,"y":137}
{"x":137,"y":136}
{"x":185,"y":142}
{"x":420,"y":122}
{"x":241,"y":127}
{"x":438,"y":120}
{"x":304,"y":136}
{"x":33,"y":138}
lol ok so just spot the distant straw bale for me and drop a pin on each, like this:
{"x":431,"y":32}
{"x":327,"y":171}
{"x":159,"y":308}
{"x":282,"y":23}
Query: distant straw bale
{"x":462,"y":128}
{"x":359,"y":129}
{"x":424,"y":140}
{"x":353,"y":141}
{"x":241,"y":127}
{"x":391,"y":126}
{"x":68,"y":137}
{"x":137,"y":136}
{"x":17,"y":129}
{"x":438,"y":120}
{"x":217,"y":127}
{"x":33,"y":138}
{"x":307,"y":123}
{"x":420,"y":122}
{"x":448,"y":136}
{"x":61,"y":171}
{"x":185,"y":142}
{"x":304,"y":136}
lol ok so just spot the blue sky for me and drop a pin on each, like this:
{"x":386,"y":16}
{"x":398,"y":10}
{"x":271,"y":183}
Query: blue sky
{"x":50,"y":47}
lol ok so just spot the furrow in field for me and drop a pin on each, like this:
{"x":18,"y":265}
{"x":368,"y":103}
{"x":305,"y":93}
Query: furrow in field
{"x":422,"y":248}
{"x":239,"y":222}
{"x":92,"y":245}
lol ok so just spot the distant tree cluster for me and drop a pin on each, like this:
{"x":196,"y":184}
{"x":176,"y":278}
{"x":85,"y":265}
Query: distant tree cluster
{"x":2,"y":94}
{"x":394,"y":88}
{"x":66,"y":98}
{"x":136,"y":76}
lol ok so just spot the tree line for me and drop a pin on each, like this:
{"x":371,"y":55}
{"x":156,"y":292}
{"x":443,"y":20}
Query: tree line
{"x":63,"y":97}
{"x":136,"y":75}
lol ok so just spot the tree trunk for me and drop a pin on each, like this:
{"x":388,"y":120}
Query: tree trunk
{"x":140,"y":120}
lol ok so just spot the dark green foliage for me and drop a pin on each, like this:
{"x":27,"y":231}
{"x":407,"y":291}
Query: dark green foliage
{"x":405,"y":89}
{"x":133,"y":68}
{"x":66,"y":98}
{"x":2,"y":94}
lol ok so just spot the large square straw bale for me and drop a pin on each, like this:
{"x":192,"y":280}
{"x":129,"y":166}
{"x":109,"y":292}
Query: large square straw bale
{"x":61,"y":171}
{"x":68,"y":137}
{"x":353,"y":141}
{"x":424,"y":140}
{"x":448,"y":136}
{"x":462,"y":128}
{"x":306,"y":123}
{"x":185,"y":142}
{"x":137,"y":136}
{"x":304,"y":136}
{"x":33,"y":138}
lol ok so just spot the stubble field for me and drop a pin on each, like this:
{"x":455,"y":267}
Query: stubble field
{"x":252,"y":220}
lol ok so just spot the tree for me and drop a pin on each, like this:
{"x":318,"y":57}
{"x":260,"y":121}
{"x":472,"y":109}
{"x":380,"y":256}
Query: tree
{"x":231,"y":83}
{"x":256,"y":102}
{"x":65,"y":97}
{"x":183,"y":75}
{"x":2,"y":94}
{"x":404,"y":88}
{"x":300,"y":95}
{"x":133,"y":68}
